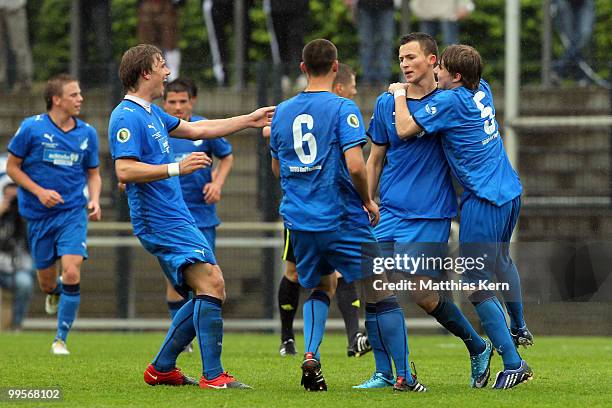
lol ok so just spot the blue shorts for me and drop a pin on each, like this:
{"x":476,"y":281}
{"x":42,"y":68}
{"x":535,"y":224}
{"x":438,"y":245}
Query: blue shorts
{"x":210,"y":233}
{"x":321,"y":253}
{"x":177,"y":248}
{"x":486,"y":229}
{"x":63,"y":233}
{"x":406,"y":234}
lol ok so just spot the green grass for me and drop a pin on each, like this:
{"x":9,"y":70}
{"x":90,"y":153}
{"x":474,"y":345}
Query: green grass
{"x":105,"y":369}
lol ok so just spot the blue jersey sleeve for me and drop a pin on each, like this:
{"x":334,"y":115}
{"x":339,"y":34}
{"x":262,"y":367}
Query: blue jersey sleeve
{"x":220,"y":147}
{"x":170,"y":122}
{"x":439,"y":114}
{"x":351,"y":129}
{"x":93,"y":158}
{"x":125,"y":138}
{"x":377,"y":130}
{"x":20,"y":143}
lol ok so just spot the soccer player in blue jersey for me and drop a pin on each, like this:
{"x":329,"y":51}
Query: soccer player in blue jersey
{"x":52,"y":157}
{"x":418,"y":201}
{"x":316,"y":146}
{"x":201,"y":189}
{"x":138,"y":136}
{"x":344,"y":85}
{"x":464,"y":116}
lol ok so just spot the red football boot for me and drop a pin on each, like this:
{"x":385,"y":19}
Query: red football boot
{"x":173,"y":377}
{"x":224,"y":380}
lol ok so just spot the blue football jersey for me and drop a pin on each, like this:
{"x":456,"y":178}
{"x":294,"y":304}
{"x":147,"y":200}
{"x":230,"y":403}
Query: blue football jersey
{"x":310,"y":133}
{"x":415,"y":180}
{"x":192,"y":185}
{"x":472,"y":143}
{"x":55,"y":160}
{"x":135,"y":133}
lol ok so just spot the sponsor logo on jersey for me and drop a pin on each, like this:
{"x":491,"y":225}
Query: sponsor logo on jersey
{"x":61,"y":157}
{"x":352,"y":120}
{"x":123,"y":135}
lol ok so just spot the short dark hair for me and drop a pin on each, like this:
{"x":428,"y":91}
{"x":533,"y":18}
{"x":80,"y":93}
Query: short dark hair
{"x":181,"y":85}
{"x":344,"y":75}
{"x":55,"y":87}
{"x":427,"y":42}
{"x":464,"y":60}
{"x":135,"y":61}
{"x":319,"y":56}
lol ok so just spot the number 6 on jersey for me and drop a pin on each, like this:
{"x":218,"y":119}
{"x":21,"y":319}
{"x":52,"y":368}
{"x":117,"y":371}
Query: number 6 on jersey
{"x":299,"y":138}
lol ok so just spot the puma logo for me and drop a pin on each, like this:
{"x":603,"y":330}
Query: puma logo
{"x":49,"y":137}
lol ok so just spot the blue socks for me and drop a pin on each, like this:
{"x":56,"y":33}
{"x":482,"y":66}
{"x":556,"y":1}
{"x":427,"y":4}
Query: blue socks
{"x":381,"y":356}
{"x":513,"y":299}
{"x":209,"y":330}
{"x":180,"y":334}
{"x":315,"y":310}
{"x":494,"y":323}
{"x":392,"y":326}
{"x":451,"y":318}
{"x":67,"y":308}
{"x":174,"y":307}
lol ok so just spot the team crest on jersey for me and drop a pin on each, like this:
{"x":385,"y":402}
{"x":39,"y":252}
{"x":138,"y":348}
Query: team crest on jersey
{"x":123,"y":135}
{"x":431,"y":109}
{"x":198,"y":142}
{"x":352,"y":120}
{"x":84,"y":144}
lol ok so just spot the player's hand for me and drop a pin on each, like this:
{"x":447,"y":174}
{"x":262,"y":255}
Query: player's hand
{"x":261,"y":117}
{"x":50,"y":198}
{"x":121,"y":186}
{"x":212,"y":193}
{"x":94,"y":210}
{"x":195,"y":161}
{"x":396,"y":86}
{"x":266,"y":132}
{"x":373,"y":213}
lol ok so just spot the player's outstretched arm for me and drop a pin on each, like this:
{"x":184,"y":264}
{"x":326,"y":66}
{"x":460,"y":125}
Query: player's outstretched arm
{"x":94,"y":185}
{"x":405,"y":126}
{"x":133,"y":171}
{"x":357,"y":170}
{"x":48,"y":198}
{"x":374,"y":167}
{"x":210,"y":129}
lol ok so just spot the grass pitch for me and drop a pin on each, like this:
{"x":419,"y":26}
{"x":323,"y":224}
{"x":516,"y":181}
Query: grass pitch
{"x":106,"y":370}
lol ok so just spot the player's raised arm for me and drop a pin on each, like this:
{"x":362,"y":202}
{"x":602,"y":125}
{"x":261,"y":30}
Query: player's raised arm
{"x":405,"y":125}
{"x":133,"y":171}
{"x":357,"y":170}
{"x":214,"y":128}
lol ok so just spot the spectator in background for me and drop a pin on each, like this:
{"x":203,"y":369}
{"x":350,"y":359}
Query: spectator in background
{"x":218,"y":15}
{"x":14,"y":25}
{"x":158,"y":25}
{"x":16,"y":272}
{"x":574,"y":20}
{"x":442,"y":15}
{"x":286,"y":21}
{"x":376,"y":28}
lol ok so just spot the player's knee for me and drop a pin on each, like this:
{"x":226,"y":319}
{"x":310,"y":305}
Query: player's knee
{"x":427,"y":300}
{"x":215,"y":284}
{"x":46,"y":286}
{"x":291,"y":272}
{"x":71,"y":274}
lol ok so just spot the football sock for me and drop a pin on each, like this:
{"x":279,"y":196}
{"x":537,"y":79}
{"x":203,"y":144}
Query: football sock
{"x":513,"y":298}
{"x":209,"y":329}
{"x":315,"y":310}
{"x":67,"y":309}
{"x":348,"y":303}
{"x":288,"y":299}
{"x":180,"y":334}
{"x":392,"y":325}
{"x":381,"y":355}
{"x":451,"y":318}
{"x":174,"y":307}
{"x":494,"y":323}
